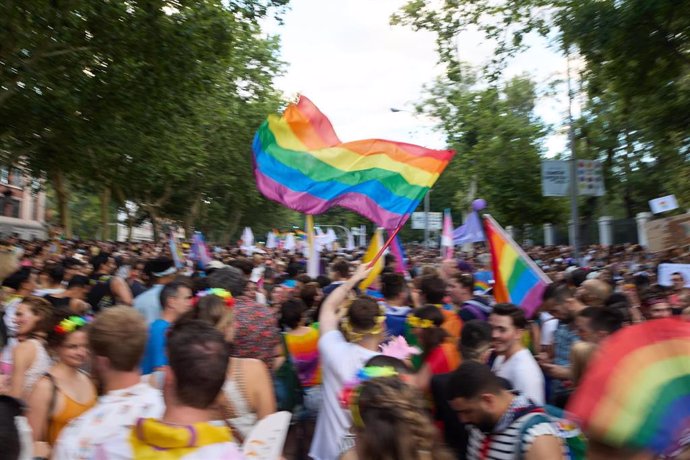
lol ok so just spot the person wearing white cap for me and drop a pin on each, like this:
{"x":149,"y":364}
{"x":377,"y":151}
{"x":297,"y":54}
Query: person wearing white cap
{"x":162,"y":271}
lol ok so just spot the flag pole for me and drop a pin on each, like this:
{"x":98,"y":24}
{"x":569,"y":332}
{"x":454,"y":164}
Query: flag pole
{"x":391,"y":237}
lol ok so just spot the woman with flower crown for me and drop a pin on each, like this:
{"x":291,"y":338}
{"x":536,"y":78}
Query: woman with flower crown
{"x":439,"y":352}
{"x":65,"y":392}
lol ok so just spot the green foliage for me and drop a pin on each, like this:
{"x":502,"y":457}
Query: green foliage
{"x":636,"y":80}
{"x":497,"y":139}
{"x":153,"y":101}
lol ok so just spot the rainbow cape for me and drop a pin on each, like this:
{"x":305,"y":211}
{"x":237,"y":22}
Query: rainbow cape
{"x":636,"y":391}
{"x":300,"y":162}
{"x":517,"y":279}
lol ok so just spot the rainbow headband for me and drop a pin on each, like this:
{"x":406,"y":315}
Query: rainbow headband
{"x":349,"y":396}
{"x":71,"y":324}
{"x":218,"y":292}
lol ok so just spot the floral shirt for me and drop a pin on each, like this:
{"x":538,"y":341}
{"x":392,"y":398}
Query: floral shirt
{"x":257,"y":334}
{"x":114,"y":414}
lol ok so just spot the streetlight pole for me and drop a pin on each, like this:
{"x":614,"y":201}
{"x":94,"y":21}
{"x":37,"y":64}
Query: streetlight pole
{"x":573,"y":171}
{"x":427,"y":197}
{"x":426,"y":218}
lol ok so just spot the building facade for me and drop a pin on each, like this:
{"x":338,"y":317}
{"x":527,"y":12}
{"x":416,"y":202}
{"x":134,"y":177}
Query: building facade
{"x":22,"y":205}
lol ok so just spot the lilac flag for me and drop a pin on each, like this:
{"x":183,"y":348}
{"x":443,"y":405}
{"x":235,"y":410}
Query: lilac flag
{"x":470,"y":232}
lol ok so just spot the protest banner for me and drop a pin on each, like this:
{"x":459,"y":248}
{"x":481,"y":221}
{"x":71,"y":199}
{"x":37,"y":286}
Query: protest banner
{"x":664,"y":272}
{"x":668,"y":233}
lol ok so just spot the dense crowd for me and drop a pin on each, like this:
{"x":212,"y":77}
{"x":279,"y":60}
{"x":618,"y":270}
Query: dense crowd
{"x":112,"y":351}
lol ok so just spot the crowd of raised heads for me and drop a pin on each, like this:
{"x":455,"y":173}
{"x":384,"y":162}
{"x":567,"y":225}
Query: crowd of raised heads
{"x":115,"y":351}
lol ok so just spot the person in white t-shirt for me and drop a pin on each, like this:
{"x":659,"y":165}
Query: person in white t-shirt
{"x":515,"y":363}
{"x":342,"y":355}
{"x":117,"y":338}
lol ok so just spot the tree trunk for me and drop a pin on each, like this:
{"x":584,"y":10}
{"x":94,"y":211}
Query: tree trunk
{"x":233,"y":223}
{"x":192,"y":216}
{"x":105,"y":213}
{"x":153,"y":215}
{"x":130,"y":227}
{"x":62,"y":196}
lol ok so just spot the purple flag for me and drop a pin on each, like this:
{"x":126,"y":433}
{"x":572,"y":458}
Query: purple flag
{"x":470,"y":232}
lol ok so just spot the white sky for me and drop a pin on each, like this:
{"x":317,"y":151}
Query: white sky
{"x":344,"y":56}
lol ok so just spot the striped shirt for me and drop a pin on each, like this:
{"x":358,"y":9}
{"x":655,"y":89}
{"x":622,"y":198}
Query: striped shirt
{"x":505,"y":444}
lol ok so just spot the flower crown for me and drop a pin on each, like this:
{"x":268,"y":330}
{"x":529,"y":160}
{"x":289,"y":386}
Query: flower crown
{"x":71,"y":324}
{"x":218,"y":292}
{"x":417,"y":322}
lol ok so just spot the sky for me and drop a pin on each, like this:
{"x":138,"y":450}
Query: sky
{"x":346,"y":57}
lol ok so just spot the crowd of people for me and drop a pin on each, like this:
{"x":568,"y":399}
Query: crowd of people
{"x":112,"y":351}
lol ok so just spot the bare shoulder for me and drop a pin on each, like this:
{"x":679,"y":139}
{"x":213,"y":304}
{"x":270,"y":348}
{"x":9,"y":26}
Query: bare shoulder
{"x":42,"y":388}
{"x":25,"y":350}
{"x":546,"y":446}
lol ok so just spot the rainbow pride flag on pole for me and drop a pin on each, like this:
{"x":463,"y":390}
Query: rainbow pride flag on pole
{"x":200,"y":253}
{"x":373,"y":249}
{"x":300,"y":162}
{"x":517,"y":279}
{"x":399,"y":252}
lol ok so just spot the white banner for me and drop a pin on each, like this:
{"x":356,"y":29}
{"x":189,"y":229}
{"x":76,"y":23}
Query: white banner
{"x":555,"y":178}
{"x":663,"y":204}
{"x":666,"y":270}
{"x":435,"y":220}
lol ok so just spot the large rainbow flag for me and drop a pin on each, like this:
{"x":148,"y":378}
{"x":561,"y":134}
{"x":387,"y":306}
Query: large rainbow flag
{"x":636,"y":391}
{"x":517,"y":279}
{"x":300,"y":162}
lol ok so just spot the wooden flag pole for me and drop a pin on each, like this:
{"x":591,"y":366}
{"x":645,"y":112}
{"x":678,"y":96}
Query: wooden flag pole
{"x":388,"y":243}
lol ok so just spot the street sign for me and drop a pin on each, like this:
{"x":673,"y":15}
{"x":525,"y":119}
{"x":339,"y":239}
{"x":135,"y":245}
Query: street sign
{"x":435,"y":220}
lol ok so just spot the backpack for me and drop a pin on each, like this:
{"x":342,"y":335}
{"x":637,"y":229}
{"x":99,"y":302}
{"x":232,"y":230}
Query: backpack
{"x":288,"y":388}
{"x":568,"y":431}
{"x":475,"y":307}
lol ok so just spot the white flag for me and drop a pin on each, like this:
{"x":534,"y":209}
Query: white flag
{"x":663,"y":204}
{"x":290,"y":243}
{"x":271,"y":240}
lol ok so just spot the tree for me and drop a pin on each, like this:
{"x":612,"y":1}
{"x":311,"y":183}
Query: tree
{"x":137,"y":101}
{"x":498,"y":142}
{"x":635,"y":78}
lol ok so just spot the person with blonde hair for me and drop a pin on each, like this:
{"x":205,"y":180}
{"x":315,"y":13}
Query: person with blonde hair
{"x":391,"y":423}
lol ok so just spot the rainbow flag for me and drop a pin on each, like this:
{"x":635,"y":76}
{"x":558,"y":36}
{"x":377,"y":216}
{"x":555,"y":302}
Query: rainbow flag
{"x":482,"y":281}
{"x":399,"y":253}
{"x":175,"y":252}
{"x":300,"y":162}
{"x":199,"y":252}
{"x":373,"y":249}
{"x":636,"y":391}
{"x":517,"y":279}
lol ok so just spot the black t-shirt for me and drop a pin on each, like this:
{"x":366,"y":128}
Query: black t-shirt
{"x":60,"y":303}
{"x":100,"y":296}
